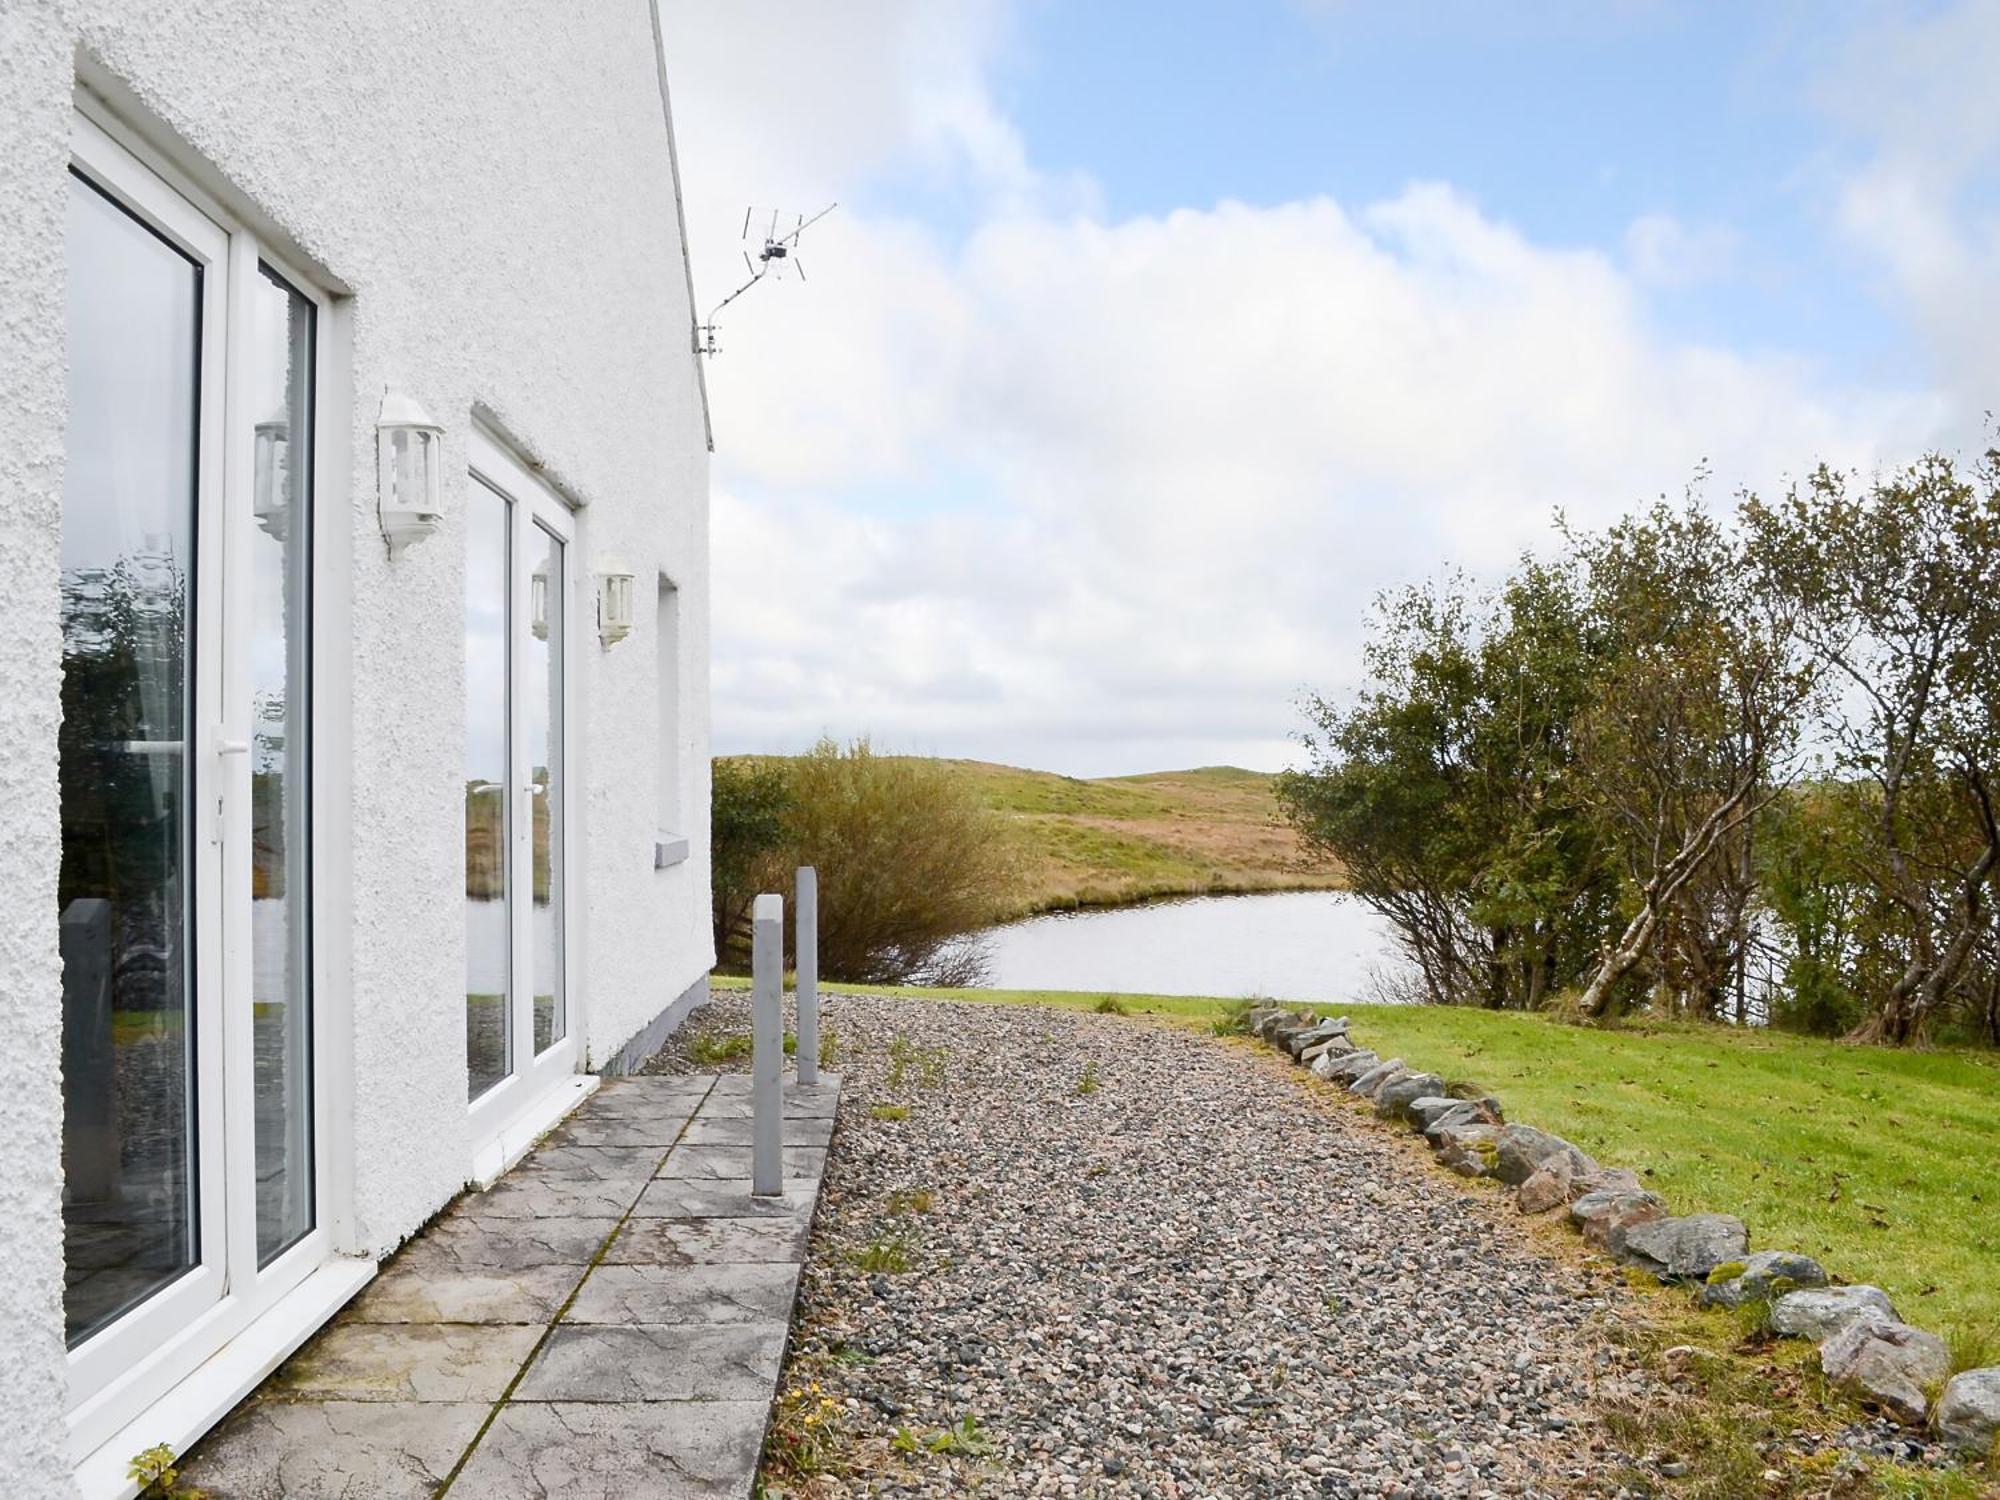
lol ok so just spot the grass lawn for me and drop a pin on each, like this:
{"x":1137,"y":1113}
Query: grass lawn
{"x":1884,"y":1165}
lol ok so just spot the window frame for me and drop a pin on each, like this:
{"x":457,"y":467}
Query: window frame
{"x":145,"y":1364}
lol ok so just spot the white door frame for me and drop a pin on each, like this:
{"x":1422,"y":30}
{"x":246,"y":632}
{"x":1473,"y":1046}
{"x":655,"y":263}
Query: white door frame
{"x":538,"y":1086}
{"x":128,"y":1367}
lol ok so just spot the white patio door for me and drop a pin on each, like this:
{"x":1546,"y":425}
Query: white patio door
{"x":191,"y":1195}
{"x":520,"y":618}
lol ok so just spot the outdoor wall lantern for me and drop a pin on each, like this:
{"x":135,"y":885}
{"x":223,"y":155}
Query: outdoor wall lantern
{"x":409,"y":471}
{"x":538,"y":601}
{"x":614,"y":601}
{"x":272,"y":490}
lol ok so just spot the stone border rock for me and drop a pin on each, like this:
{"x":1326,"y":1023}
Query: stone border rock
{"x":1863,"y":1345}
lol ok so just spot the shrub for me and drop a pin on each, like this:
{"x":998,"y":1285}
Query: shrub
{"x":910,"y":861}
{"x":749,"y":828}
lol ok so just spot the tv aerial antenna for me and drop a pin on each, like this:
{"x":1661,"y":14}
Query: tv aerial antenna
{"x":779,"y":253}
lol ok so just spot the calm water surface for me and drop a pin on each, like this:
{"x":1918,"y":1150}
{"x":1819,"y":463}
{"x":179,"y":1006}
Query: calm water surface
{"x":1294,"y":945}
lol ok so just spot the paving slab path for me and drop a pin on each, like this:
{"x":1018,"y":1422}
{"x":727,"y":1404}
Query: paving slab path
{"x":1139,"y":1261}
{"x":607,"y":1322}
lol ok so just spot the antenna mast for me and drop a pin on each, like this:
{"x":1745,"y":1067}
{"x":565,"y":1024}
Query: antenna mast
{"x":779,"y":252}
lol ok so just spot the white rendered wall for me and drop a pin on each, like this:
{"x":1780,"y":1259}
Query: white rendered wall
{"x":491,"y":183}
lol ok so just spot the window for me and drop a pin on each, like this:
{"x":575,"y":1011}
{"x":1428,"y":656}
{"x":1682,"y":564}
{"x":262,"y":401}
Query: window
{"x":191,"y":1195}
{"x":670,"y":846}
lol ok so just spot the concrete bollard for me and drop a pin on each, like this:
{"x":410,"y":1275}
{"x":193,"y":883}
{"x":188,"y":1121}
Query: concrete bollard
{"x":767,"y":1049}
{"x":805,"y":921}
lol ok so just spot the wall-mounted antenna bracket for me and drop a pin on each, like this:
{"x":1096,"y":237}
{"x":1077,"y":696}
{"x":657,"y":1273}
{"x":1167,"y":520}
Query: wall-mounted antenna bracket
{"x":779,"y":252}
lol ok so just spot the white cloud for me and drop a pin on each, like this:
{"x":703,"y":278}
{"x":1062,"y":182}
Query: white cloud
{"x":1106,"y":496}
{"x":1662,"y":251}
{"x":1916,"y":94}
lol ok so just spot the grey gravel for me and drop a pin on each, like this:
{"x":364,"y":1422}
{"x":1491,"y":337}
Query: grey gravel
{"x":1158,"y":1264}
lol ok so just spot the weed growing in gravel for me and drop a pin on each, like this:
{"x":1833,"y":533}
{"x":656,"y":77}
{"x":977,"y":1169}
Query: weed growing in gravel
{"x":829,"y":1045}
{"x":911,"y":1201}
{"x":888,"y":1254}
{"x":711,"y":1047}
{"x":907,"y":1060}
{"x":888,"y":1111}
{"x":1088,"y":1083}
{"x":1110,"y":1005}
{"x":807,"y":1432}
{"x":962,"y":1439}
{"x":1234,"y":1020}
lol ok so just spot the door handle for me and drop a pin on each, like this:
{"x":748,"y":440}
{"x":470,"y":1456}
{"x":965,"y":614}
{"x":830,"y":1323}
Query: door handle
{"x":232,"y":747}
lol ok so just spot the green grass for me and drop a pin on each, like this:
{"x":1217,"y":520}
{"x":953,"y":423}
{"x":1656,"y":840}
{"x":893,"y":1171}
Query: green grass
{"x":1123,"y":839}
{"x":1882,"y":1164}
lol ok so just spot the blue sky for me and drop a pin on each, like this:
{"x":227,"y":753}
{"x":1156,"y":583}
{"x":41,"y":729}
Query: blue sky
{"x":1152,"y":339}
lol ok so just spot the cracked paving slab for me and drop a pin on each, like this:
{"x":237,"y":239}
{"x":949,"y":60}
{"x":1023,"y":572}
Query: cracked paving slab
{"x":734,"y":1161}
{"x":672,"y":1242}
{"x":723,"y":1198}
{"x":527,"y":1294}
{"x":691,"y":1450}
{"x":707,"y":1295}
{"x":815,"y":1131}
{"x":408,"y":1362}
{"x":648,"y":1362}
{"x":336,"y":1450}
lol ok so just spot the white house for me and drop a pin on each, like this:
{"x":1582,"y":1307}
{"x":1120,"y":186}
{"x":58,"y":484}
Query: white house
{"x":353,"y":740}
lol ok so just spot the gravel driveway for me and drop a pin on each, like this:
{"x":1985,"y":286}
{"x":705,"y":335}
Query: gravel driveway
{"x":1143,"y":1261}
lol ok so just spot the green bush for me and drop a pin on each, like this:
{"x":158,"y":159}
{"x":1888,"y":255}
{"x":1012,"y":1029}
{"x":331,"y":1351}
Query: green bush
{"x":749,"y":828}
{"x":911,"y":860}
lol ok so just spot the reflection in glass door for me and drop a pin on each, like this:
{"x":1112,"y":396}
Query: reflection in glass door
{"x":542,"y":689}
{"x":518,"y":615}
{"x":130,"y":887}
{"x":489,"y":747}
{"x":190,"y":1195}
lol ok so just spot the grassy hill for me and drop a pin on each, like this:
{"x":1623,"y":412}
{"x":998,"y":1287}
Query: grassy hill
{"x":1134,"y":838}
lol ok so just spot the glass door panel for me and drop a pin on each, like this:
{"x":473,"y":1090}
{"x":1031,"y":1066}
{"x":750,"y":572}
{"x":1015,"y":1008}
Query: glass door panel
{"x":542,"y":709}
{"x":126,"y":892}
{"x":279,"y":561}
{"x":488,"y":780}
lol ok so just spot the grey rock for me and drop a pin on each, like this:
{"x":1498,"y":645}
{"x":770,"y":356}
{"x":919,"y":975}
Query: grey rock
{"x":1968,"y":1415}
{"x":1338,"y":1046}
{"x":1352,"y":1066}
{"x":1427,"y":1111}
{"x":1523,"y":1150}
{"x":1322,"y":1066}
{"x":1820,"y":1314}
{"x":1685,"y":1249}
{"x":1393,"y":1100}
{"x":1463,"y":1112}
{"x":1375,"y":1077}
{"x":1547,"y":1187}
{"x":1468,"y":1150}
{"x":1889,"y":1363}
{"x":1766,"y":1275}
{"x":1287,"y":1024}
{"x":1604,"y":1217}
{"x":1323,"y":1031}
